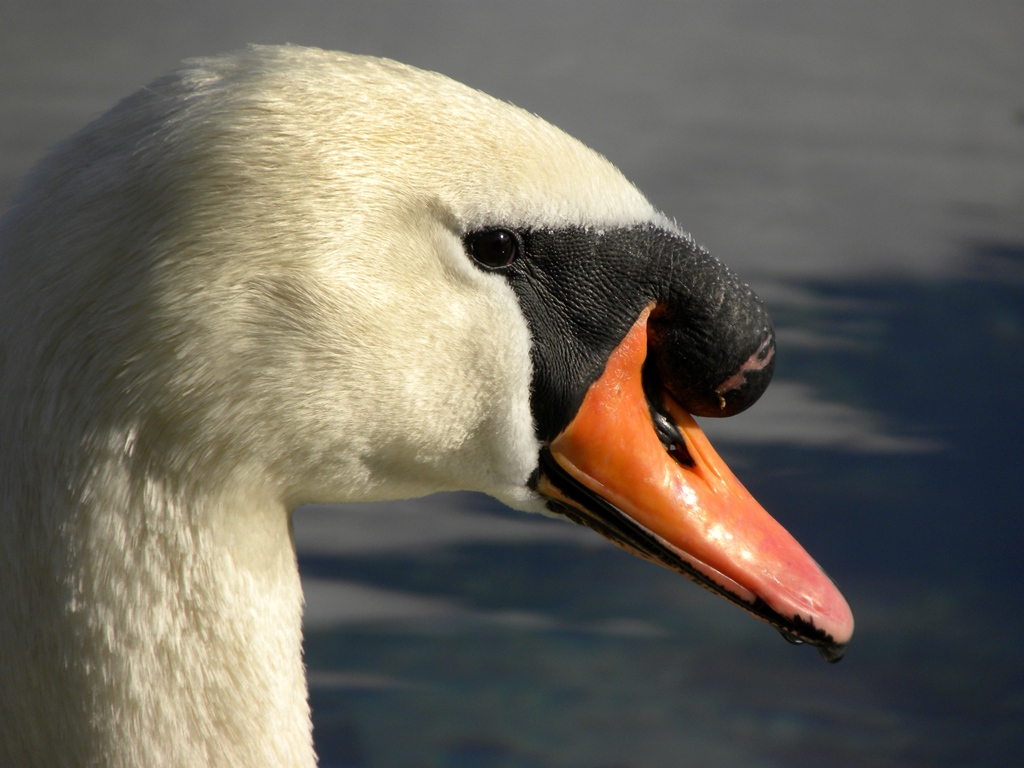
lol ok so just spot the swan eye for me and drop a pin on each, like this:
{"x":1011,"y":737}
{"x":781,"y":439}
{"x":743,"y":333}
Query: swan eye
{"x":493,"y":248}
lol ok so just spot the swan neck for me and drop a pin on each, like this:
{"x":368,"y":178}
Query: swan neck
{"x":176,"y":614}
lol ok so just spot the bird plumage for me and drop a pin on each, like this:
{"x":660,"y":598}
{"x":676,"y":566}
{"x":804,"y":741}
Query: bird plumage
{"x":245,"y":288}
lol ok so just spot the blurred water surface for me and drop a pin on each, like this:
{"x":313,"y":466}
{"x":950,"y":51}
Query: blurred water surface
{"x":862,"y":166}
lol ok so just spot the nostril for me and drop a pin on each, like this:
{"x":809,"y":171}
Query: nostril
{"x":664,"y":426}
{"x":671,"y":438}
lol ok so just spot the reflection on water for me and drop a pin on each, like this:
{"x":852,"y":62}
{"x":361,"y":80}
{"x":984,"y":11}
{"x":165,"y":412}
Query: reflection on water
{"x":550,"y":651}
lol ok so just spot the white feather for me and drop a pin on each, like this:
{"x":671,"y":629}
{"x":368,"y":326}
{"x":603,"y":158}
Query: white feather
{"x":241,"y":290}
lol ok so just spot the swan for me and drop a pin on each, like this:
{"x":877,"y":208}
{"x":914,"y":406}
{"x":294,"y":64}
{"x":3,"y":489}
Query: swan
{"x":284,"y":276}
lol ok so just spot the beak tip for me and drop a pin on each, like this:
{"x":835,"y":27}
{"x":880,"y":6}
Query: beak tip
{"x":817,"y":614}
{"x":839,"y":630}
{"x":834,"y":653}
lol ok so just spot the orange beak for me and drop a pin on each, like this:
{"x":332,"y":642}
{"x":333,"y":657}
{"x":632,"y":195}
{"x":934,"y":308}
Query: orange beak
{"x":671,"y":499}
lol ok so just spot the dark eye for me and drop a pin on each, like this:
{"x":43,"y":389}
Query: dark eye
{"x":493,"y":248}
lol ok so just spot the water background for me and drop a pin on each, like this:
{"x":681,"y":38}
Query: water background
{"x":862,"y":166}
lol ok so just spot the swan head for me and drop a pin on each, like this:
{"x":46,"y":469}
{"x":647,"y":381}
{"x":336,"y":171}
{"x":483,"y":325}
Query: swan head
{"x":336,"y":278}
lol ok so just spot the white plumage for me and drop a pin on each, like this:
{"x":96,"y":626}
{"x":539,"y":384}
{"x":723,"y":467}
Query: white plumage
{"x":241,"y":290}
